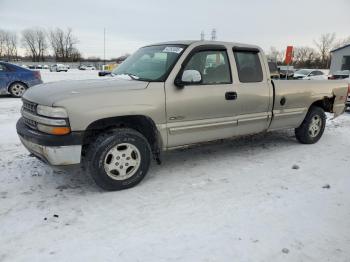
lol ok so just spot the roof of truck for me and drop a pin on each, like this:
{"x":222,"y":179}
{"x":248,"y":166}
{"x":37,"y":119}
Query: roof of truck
{"x":204,"y":42}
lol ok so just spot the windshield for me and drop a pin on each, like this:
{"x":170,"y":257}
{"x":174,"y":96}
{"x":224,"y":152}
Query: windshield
{"x":303,"y":72}
{"x":150,"y":63}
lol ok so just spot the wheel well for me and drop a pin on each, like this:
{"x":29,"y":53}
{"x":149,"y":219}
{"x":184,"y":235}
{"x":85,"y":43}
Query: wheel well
{"x":326,"y":104}
{"x":14,"y":82}
{"x":142,"y":124}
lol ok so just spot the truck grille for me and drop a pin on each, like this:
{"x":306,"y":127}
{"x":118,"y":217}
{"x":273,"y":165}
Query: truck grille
{"x":29,"y":106}
{"x":32,"y":124}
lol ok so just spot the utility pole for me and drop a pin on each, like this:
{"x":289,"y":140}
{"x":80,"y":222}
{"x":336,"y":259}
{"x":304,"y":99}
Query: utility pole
{"x":213,"y":34}
{"x":202,"y":36}
{"x":104,"y":46}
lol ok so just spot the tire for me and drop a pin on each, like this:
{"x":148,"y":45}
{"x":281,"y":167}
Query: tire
{"x":115,"y":152}
{"x":312,"y":128}
{"x":17,"y":89}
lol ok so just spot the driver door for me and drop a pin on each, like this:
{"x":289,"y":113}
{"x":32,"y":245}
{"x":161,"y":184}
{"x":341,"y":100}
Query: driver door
{"x":202,"y":111}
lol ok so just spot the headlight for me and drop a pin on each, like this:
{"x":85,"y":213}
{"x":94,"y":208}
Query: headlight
{"x":49,"y":111}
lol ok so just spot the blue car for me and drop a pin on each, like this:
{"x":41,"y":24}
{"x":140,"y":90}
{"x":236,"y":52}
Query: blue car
{"x":15,"y":80}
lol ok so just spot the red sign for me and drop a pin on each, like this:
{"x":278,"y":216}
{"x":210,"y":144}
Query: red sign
{"x":289,"y":55}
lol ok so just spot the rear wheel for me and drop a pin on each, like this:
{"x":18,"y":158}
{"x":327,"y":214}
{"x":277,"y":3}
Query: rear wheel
{"x":17,"y":89}
{"x":312,"y":128}
{"x":119,"y":159}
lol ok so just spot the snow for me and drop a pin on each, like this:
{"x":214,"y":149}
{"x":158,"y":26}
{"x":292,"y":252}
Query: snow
{"x":72,"y":74}
{"x":237,"y":200}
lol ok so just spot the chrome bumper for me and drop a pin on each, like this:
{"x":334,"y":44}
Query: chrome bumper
{"x":55,"y":155}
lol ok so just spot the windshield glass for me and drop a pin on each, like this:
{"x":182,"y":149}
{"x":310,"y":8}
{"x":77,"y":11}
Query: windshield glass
{"x":150,"y":63}
{"x":303,"y":72}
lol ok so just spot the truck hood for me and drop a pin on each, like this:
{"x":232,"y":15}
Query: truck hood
{"x":49,"y":93}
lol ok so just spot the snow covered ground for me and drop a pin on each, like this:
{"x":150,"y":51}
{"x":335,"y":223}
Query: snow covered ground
{"x":238,"y":200}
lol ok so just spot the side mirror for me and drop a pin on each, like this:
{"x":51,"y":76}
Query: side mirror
{"x":189,"y":77}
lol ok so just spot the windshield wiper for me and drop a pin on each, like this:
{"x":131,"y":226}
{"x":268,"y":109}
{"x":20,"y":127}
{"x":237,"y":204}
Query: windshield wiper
{"x":133,"y":77}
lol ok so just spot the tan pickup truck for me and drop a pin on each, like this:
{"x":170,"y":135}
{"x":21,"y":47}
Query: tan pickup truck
{"x":166,"y":96}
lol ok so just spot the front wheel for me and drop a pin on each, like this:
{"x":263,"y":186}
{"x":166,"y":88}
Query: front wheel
{"x":119,"y":159}
{"x":312,"y":128}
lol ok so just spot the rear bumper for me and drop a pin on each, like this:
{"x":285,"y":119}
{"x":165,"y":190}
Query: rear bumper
{"x":34,"y":82}
{"x":54,"y":150}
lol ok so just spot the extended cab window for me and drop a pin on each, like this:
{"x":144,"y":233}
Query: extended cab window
{"x":213,"y":66}
{"x":248,"y":66}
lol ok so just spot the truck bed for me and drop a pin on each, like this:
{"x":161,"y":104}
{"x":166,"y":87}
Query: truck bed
{"x":293,"y":99}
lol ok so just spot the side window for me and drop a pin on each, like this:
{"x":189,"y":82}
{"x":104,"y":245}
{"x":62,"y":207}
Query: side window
{"x":3,"y":68}
{"x":213,"y":66}
{"x":318,"y":73}
{"x":248,"y":66}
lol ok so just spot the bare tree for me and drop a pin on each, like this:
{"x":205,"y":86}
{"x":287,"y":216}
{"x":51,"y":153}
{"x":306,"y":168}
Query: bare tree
{"x":34,"y":41}
{"x":324,"y":45}
{"x":63,"y":44}
{"x":8,"y":45}
{"x":275,"y":54}
{"x":342,"y":42}
{"x":304,"y":56}
{"x":2,"y":42}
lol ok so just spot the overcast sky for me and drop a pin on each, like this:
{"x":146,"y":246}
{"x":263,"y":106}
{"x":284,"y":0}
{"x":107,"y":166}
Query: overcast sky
{"x":131,"y":24}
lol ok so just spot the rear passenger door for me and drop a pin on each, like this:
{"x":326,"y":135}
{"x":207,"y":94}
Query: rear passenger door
{"x":253,"y":91}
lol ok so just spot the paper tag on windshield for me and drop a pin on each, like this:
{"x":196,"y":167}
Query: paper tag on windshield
{"x":173,"y":49}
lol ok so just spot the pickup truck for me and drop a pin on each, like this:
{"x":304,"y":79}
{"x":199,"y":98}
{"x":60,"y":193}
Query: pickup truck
{"x":167,"y":96}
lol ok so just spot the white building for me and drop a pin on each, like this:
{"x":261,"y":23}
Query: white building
{"x":340,"y":59}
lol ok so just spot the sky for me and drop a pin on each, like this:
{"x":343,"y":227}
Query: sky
{"x":131,"y":24}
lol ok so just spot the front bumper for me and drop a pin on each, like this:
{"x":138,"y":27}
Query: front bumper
{"x":54,"y":150}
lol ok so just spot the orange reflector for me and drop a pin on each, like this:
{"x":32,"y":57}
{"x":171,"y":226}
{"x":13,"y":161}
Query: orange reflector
{"x":60,"y":130}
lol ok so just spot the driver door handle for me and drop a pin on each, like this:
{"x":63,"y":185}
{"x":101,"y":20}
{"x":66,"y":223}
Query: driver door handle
{"x":230,"y":95}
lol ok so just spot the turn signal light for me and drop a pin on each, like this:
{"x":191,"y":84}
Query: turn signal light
{"x":60,"y":130}
{"x":54,"y":130}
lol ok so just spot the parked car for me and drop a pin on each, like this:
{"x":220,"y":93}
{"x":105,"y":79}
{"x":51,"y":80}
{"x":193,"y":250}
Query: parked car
{"x":82,"y":67}
{"x":104,"y":73}
{"x":340,"y":75}
{"x":46,"y":67}
{"x":286,"y":71}
{"x":274,"y":71}
{"x":348,"y":98}
{"x":168,"y":96}
{"x":58,"y":68}
{"x":15,"y":80}
{"x":309,"y":74}
{"x":90,"y":67}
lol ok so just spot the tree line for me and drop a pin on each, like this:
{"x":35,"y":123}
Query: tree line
{"x":316,"y":56}
{"x":39,"y":44}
